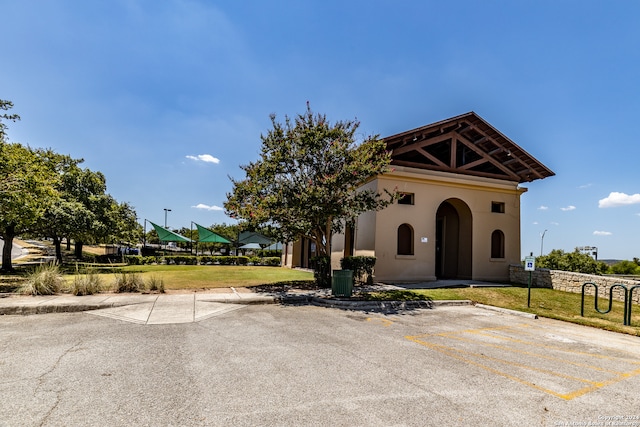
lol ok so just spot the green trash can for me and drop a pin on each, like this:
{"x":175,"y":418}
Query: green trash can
{"x":342,"y":283}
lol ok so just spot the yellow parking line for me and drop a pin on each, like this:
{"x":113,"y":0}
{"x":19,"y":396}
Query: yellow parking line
{"x":529,"y":353}
{"x":460,"y":355}
{"x":386,"y":323}
{"x":553,"y":347}
{"x":452,"y":353}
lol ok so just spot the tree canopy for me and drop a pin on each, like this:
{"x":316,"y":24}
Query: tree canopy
{"x":308,"y":179}
{"x":6,"y":106}
{"x":46,"y":194}
{"x":575,"y":261}
{"x":28,"y":188}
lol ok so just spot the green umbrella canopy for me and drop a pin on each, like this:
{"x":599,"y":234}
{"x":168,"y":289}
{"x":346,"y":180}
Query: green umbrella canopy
{"x":206,"y":235}
{"x":168,"y":235}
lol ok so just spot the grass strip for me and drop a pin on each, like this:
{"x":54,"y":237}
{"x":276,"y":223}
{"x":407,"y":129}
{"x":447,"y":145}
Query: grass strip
{"x":548,"y":303}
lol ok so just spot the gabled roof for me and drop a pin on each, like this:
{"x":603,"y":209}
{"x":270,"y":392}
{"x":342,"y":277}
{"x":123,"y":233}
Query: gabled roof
{"x":467,"y":145}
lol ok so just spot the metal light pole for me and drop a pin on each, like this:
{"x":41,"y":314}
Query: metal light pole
{"x":165,"y":216}
{"x":542,"y":241}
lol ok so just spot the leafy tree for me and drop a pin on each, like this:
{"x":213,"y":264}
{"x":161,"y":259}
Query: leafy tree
{"x":308,"y":179}
{"x":6,"y":106}
{"x":29,"y":187}
{"x":624,"y":267}
{"x":575,"y":261}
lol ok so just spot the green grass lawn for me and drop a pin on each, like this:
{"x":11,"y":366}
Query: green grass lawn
{"x":217,"y":276}
{"x":544,"y":302}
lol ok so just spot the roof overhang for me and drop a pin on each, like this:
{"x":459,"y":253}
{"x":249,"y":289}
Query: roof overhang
{"x":466,"y":145}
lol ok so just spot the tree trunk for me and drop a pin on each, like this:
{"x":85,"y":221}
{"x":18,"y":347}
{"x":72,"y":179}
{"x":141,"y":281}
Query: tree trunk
{"x":8,"y":235}
{"x":56,"y":244}
{"x":68,"y":244}
{"x":78,"y":250}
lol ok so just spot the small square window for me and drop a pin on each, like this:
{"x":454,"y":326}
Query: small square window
{"x":497,"y":207}
{"x":406,"y":199}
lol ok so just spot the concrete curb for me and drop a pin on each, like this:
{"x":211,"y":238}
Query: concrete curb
{"x":57,"y":308}
{"x":383,"y":305}
{"x":345,"y":304}
{"x":507,"y":311}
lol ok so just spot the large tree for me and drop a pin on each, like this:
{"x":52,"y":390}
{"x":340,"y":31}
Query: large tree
{"x":29,"y":180}
{"x":6,"y":106}
{"x":308,"y":180}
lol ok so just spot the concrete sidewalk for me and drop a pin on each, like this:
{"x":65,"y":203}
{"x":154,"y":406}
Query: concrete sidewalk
{"x":186,"y":307}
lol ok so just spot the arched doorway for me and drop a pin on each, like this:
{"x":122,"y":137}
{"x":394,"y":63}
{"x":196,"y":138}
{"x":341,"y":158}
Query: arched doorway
{"x":453,"y":240}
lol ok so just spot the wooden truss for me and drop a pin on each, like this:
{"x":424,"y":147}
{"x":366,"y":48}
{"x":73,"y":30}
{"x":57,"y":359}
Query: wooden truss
{"x":467,"y":145}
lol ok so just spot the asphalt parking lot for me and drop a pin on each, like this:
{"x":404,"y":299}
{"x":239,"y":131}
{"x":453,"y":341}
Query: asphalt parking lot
{"x":307,"y":365}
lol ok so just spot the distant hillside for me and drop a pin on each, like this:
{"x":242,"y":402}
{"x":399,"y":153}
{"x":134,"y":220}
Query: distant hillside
{"x":610,"y":262}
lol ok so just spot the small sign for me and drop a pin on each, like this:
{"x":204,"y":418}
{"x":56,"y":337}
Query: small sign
{"x":530,"y":263}
{"x":424,"y":239}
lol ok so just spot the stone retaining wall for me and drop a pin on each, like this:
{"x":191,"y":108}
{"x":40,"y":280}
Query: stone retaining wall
{"x":572,"y":282}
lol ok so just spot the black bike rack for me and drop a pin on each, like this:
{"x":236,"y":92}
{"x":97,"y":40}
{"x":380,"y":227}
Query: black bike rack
{"x":626,"y":320}
{"x":631,"y":303}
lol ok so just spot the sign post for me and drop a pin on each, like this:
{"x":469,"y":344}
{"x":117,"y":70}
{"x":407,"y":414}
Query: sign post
{"x":530,"y":266}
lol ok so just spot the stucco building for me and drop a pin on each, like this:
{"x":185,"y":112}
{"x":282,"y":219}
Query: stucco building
{"x":459,"y":217}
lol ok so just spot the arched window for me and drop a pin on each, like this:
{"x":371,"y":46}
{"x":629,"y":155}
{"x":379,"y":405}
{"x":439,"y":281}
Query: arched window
{"x":497,"y":244}
{"x":405,"y":239}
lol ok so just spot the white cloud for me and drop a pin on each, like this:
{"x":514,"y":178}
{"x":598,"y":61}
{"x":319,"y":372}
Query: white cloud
{"x":616,"y":199}
{"x":568,"y":208}
{"x":602,"y":233}
{"x":207,"y":158}
{"x":585,"y":186}
{"x":207,"y":207}
{"x":543,"y":208}
{"x":555,"y":223}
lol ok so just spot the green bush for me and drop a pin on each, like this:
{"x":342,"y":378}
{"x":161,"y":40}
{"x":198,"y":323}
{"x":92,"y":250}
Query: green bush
{"x":271,"y":261}
{"x":322,"y":270}
{"x":362,"y":267}
{"x":204,"y":260}
{"x":46,"y":279}
{"x":224,"y":260}
{"x":128,"y":282}
{"x":155,"y":284}
{"x":133,"y":259}
{"x":86,"y":284}
{"x":575,"y":261}
{"x":624,"y":267}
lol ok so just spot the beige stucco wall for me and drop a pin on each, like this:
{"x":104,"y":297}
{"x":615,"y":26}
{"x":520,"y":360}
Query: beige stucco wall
{"x":376,"y":233}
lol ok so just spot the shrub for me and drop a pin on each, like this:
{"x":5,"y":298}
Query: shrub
{"x":128,"y":282}
{"x":271,"y":261}
{"x":241,"y":260}
{"x":134,"y":259}
{"x":46,"y":279}
{"x":150,"y":260}
{"x":362,"y":267}
{"x":322,"y":270}
{"x":624,"y":267}
{"x":575,"y":261}
{"x":155,"y":284}
{"x":86,"y":284}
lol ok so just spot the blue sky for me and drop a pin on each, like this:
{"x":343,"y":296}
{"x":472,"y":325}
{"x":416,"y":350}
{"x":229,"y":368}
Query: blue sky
{"x":168,"y":98}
